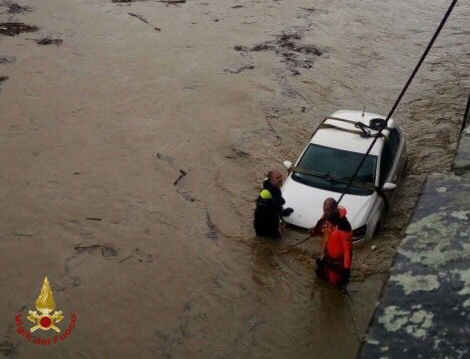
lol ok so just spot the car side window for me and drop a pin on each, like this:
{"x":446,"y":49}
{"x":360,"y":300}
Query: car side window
{"x":386,"y":162}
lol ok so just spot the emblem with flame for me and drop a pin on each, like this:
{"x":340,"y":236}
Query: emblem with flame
{"x":45,"y":304}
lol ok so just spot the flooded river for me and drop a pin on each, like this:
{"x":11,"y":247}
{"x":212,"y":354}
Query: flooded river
{"x":106,"y":104}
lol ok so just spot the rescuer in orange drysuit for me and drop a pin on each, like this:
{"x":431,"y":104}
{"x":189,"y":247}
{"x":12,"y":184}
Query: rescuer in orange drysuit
{"x":335,"y":265}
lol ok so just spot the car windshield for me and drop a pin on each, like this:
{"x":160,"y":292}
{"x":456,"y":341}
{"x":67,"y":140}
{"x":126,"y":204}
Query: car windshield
{"x":330,"y":169}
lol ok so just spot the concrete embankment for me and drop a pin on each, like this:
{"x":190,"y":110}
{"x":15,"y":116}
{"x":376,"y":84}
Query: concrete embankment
{"x":424,"y":309}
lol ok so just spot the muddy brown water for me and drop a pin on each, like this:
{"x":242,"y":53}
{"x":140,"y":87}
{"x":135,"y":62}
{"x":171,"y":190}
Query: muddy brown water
{"x":94,"y":134}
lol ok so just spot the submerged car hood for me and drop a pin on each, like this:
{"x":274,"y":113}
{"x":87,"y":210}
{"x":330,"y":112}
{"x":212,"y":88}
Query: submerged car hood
{"x":307,"y":203}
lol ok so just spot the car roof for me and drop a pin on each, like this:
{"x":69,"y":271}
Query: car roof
{"x":335,"y":138}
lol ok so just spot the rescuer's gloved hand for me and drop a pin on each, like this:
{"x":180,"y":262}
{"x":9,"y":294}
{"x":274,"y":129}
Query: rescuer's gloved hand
{"x":287,"y":212}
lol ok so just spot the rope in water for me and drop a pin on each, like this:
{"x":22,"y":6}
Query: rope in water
{"x":297,"y":244}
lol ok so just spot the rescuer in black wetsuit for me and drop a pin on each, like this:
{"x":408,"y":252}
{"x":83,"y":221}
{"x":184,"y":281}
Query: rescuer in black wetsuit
{"x":269,"y":208}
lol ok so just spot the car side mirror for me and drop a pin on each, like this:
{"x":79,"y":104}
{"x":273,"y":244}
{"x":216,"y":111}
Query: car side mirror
{"x":389,"y":186}
{"x":287,"y":165}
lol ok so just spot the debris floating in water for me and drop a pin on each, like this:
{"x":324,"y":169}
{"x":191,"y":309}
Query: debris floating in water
{"x":106,"y":250}
{"x":239,"y":69}
{"x":49,"y":41}
{"x":182,"y":174}
{"x":2,"y":79}
{"x":289,"y":47}
{"x":7,"y":60}
{"x":23,"y":234}
{"x":165,"y":158}
{"x":168,"y":2}
{"x":15,"y":28}
{"x":172,"y":2}
{"x":15,"y":8}
{"x":140,"y":17}
{"x":143,"y":19}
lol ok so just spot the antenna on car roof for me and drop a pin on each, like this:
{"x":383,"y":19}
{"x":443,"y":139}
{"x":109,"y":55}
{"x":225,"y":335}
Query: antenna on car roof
{"x":363,"y":111}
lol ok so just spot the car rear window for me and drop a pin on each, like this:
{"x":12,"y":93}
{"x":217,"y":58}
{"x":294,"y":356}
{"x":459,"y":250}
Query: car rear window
{"x":335,"y":164}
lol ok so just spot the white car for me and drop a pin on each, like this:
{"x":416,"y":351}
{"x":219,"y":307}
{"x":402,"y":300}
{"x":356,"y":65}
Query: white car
{"x":329,"y":160}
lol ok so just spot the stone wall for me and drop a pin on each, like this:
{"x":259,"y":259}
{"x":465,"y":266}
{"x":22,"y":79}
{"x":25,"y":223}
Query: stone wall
{"x":424,"y":310}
